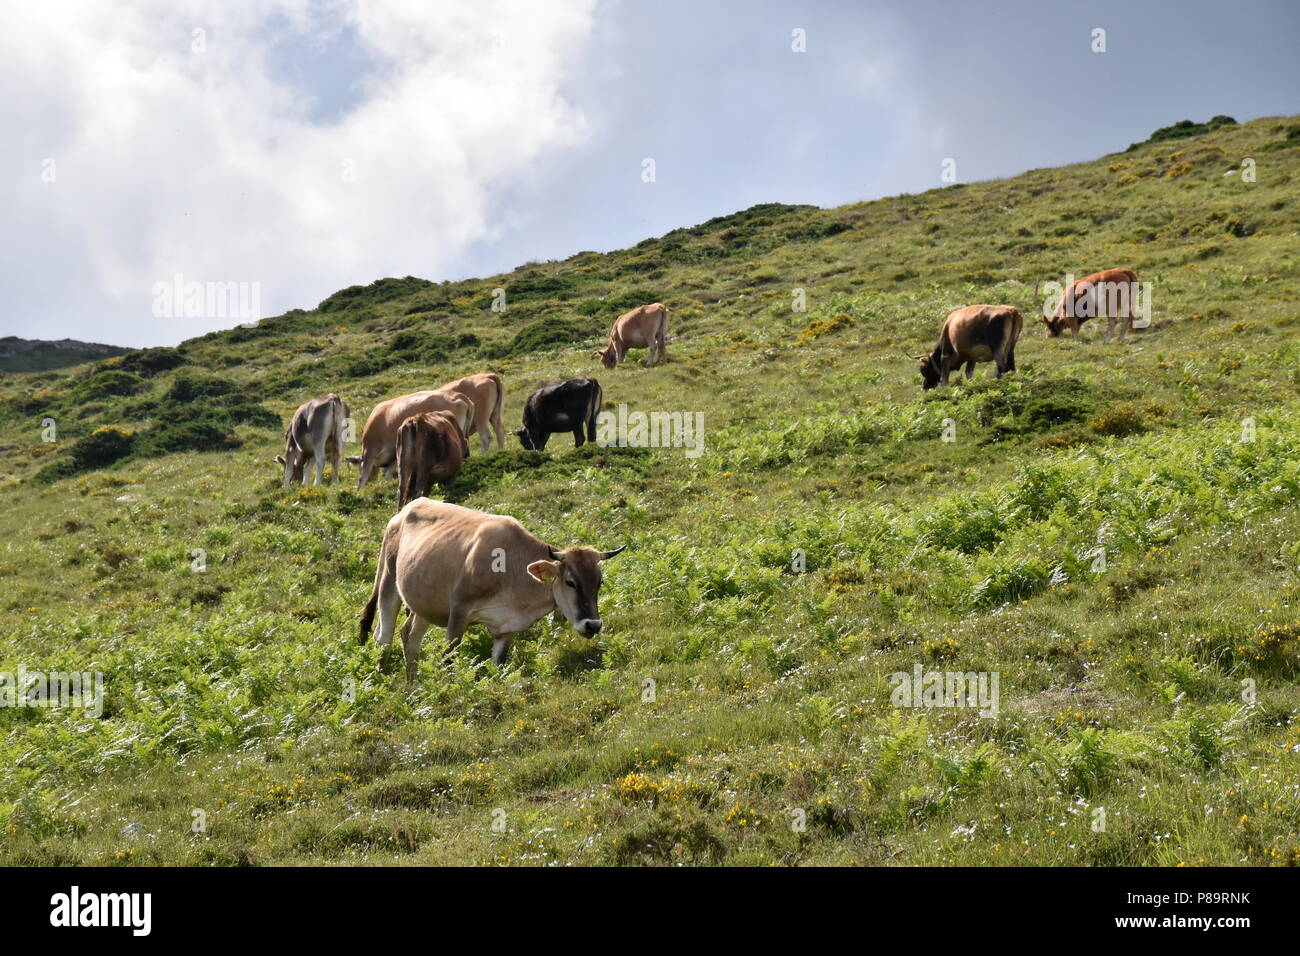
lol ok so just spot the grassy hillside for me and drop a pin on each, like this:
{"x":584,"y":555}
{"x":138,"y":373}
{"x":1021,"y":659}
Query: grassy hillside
{"x":37,"y":355}
{"x":240,"y":690}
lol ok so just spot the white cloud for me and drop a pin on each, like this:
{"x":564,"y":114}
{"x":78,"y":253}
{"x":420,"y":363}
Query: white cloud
{"x":211,"y":164}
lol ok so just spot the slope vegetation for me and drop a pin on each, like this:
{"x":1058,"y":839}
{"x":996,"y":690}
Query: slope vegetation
{"x":1112,"y":531}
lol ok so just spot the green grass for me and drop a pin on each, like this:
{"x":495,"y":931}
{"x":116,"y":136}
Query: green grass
{"x":735,"y":710}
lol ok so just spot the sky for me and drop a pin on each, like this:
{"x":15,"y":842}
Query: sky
{"x":170,"y":167}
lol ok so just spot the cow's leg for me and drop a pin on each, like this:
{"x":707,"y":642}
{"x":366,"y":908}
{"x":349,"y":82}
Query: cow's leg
{"x":501,"y":648}
{"x":485,"y":438}
{"x":578,"y":437}
{"x":334,"y":462}
{"x":367,"y":466}
{"x":970,"y":369}
{"x":457,"y":622}
{"x":388,"y":601}
{"x":412,"y":638}
{"x":500,"y":428}
{"x":320,"y":465}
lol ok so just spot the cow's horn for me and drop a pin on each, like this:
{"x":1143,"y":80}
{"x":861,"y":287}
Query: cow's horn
{"x":606,"y":555}
{"x":555,"y":555}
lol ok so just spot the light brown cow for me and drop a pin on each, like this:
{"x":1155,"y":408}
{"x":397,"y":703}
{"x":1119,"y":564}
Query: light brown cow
{"x":455,"y":567}
{"x":430,"y":447}
{"x":1111,"y":292}
{"x":379,"y":437}
{"x":316,"y":430}
{"x":977,"y":333}
{"x":645,"y":327}
{"x":488,"y":395}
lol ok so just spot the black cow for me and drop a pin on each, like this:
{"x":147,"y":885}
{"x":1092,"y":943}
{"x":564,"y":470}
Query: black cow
{"x":561,"y":407}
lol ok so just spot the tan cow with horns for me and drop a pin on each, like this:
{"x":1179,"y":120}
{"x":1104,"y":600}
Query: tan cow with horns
{"x":456,"y":567}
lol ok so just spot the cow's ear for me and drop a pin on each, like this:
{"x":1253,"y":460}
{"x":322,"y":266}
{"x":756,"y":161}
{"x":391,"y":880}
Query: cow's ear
{"x":543,"y":570}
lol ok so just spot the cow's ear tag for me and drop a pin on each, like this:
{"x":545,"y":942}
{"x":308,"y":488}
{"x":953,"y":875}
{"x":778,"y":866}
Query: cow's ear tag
{"x":543,"y":570}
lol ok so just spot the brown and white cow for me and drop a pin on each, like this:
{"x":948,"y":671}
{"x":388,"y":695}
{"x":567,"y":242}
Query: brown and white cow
{"x":488,"y":395}
{"x":379,"y":437}
{"x":316,"y":430}
{"x":430,"y":447}
{"x":645,"y":327}
{"x":455,"y":567}
{"x":977,"y":333}
{"x":1111,"y":292}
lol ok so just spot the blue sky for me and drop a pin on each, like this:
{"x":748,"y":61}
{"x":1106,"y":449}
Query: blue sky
{"x":303,"y":147}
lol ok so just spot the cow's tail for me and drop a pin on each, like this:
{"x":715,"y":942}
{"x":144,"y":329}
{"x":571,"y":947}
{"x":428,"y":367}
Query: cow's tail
{"x":368,"y":614}
{"x":1010,"y":335}
{"x":497,"y":407}
{"x":408,"y":462}
{"x":341,"y":412}
{"x":385,"y":569}
{"x":593,"y":410}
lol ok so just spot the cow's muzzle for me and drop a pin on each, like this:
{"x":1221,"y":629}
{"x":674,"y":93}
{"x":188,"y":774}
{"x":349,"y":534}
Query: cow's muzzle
{"x":590,"y":627}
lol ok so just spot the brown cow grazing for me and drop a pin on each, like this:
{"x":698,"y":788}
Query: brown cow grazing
{"x":317,"y":429}
{"x":1112,"y":293}
{"x":977,"y":333}
{"x":430,"y":447}
{"x":645,"y":327}
{"x":488,"y":395}
{"x":379,"y":437}
{"x":455,"y":567}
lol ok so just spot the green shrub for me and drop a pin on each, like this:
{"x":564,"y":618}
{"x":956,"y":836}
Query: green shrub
{"x":107,"y":384}
{"x":1117,"y":421}
{"x":545,"y":334}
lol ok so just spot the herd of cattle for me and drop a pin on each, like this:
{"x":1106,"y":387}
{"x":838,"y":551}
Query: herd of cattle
{"x":456,"y":567}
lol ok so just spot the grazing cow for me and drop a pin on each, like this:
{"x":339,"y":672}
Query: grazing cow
{"x":315,"y":431}
{"x":455,"y":567}
{"x":645,"y":327}
{"x":379,"y":437}
{"x":571,"y":405}
{"x":488,"y":395}
{"x":977,"y":333}
{"x":1111,"y":293}
{"x":430,"y":447}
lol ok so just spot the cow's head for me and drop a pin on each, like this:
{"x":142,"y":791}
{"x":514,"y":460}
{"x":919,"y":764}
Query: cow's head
{"x":929,"y":371}
{"x":291,"y":461}
{"x":574,"y":576}
{"x":530,"y":440}
{"x":1054,"y":326}
{"x":606,"y":356}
